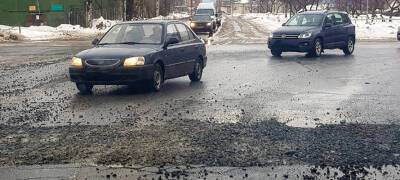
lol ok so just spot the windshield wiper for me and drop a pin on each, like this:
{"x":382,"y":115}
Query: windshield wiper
{"x":130,"y":43}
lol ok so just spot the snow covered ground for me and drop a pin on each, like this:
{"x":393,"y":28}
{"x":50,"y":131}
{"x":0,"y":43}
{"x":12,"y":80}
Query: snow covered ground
{"x":365,"y":31}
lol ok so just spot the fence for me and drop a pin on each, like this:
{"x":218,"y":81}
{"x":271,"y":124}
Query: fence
{"x":78,"y":16}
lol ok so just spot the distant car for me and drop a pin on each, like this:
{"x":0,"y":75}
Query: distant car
{"x":312,"y":32}
{"x":398,"y":33}
{"x":203,"y":23}
{"x":210,"y":9}
{"x":144,"y":51}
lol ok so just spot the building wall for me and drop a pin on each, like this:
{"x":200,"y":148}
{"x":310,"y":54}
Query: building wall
{"x":16,"y":12}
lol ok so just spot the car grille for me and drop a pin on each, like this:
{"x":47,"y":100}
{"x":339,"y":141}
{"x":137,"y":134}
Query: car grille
{"x":102,"y":62}
{"x":286,"y":36}
{"x":201,"y":24}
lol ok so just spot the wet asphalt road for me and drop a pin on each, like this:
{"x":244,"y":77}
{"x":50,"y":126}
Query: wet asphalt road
{"x":249,"y":110}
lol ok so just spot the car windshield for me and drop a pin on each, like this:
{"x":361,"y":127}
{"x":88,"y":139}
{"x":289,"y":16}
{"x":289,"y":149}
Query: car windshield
{"x":205,"y":11}
{"x":201,"y":18}
{"x":305,"y":20}
{"x":133,"y":34}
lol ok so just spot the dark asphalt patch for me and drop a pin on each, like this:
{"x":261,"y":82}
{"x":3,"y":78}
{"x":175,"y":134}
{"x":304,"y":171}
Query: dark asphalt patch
{"x":182,"y":142}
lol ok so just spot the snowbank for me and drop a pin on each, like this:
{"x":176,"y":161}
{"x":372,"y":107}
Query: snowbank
{"x":173,"y":16}
{"x":63,"y":31}
{"x":371,"y":30}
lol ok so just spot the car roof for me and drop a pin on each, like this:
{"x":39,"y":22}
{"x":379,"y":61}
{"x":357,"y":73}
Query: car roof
{"x":150,"y":21}
{"x":322,"y":12}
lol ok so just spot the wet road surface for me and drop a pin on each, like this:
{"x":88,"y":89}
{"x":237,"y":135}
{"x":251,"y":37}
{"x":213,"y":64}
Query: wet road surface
{"x":249,"y":110}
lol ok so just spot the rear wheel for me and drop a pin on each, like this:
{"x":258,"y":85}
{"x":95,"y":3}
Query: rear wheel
{"x":157,"y":79}
{"x":317,"y":49}
{"x":84,"y":88}
{"x":197,"y":72}
{"x":349,"y":49}
{"x":276,"y":53}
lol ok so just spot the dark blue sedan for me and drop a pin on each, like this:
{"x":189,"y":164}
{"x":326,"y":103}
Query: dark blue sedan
{"x":312,"y":32}
{"x":148,"y":52}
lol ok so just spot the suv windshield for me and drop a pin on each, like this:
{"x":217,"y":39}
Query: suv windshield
{"x":205,"y":11}
{"x":133,"y":34}
{"x":305,"y":20}
{"x":201,"y":18}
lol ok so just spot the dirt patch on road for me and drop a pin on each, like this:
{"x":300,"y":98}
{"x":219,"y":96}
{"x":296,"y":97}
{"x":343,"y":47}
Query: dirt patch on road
{"x":182,"y":142}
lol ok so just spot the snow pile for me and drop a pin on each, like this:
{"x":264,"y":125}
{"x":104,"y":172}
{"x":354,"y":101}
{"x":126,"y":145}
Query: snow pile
{"x":173,"y":16}
{"x":376,"y":29}
{"x":63,"y":31}
{"x":270,"y":22}
{"x":371,"y":30}
{"x":103,"y":24}
{"x":7,"y":36}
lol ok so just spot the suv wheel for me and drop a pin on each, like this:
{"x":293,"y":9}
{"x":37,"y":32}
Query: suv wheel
{"x":349,"y":49}
{"x":317,"y":49}
{"x":276,"y":53}
{"x":197,"y":72}
{"x":84,"y":88}
{"x":157,"y":79}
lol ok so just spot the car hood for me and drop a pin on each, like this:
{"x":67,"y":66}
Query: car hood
{"x":293,"y":29}
{"x":115,"y":52}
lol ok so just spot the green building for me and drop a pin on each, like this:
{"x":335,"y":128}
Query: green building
{"x":55,"y":12}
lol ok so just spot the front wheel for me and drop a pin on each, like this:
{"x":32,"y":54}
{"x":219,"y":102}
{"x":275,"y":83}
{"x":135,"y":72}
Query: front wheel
{"x":157,"y":79}
{"x":84,"y":88}
{"x":197,"y":72}
{"x":276,"y":53}
{"x":349,"y":49}
{"x":317,"y":49}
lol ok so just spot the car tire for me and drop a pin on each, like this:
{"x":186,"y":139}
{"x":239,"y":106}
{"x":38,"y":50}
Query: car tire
{"x":197,"y":72}
{"x":317,"y":49}
{"x":84,"y":88}
{"x":157,"y":79}
{"x":349,"y":49}
{"x":276,"y":53}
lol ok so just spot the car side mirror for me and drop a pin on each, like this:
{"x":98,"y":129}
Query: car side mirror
{"x":284,"y":24}
{"x":95,"y":41}
{"x":328,"y":25}
{"x":171,"y":40}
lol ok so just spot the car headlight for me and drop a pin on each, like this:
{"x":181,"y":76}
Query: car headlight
{"x":76,"y":63}
{"x":305,"y":35}
{"x":208,"y":24}
{"x":192,"y":25}
{"x":134,"y":61}
{"x":271,"y":35}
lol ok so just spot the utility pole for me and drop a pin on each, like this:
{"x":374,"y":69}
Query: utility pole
{"x":157,"y":7}
{"x":232,"y":7}
{"x":367,"y":10}
{"x":191,"y":8}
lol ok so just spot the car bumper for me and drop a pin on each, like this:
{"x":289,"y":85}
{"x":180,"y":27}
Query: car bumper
{"x":295,"y":45}
{"x":111,"y":77}
{"x":202,"y":29}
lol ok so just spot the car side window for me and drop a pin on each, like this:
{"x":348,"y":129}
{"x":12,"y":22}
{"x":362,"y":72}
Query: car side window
{"x":338,"y":19}
{"x":191,"y":35}
{"x":345,"y":18}
{"x":183,"y":32}
{"x":171,"y":30}
{"x":329,"y":19}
